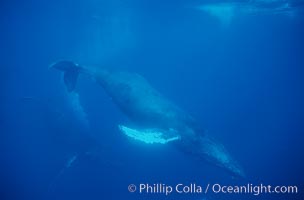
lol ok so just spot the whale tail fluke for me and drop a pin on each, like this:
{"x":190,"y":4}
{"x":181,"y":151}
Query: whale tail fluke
{"x":70,"y":73}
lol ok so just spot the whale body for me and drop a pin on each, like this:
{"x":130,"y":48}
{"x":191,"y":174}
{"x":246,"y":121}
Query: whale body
{"x":154,"y":118}
{"x":225,"y":10}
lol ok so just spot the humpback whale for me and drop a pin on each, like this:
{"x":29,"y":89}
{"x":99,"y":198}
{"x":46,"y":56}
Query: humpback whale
{"x":225,"y":10}
{"x":154,"y":118}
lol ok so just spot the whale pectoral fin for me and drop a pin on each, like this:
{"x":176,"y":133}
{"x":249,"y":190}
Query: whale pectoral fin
{"x":148,"y":136}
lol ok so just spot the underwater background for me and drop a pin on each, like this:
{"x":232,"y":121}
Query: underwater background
{"x":240,"y":76}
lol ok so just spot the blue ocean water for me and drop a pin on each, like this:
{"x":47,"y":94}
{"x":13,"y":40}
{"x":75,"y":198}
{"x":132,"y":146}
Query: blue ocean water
{"x":236,"y":66}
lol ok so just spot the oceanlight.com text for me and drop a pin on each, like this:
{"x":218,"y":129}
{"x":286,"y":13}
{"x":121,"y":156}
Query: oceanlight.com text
{"x":216,"y":188}
{"x":254,"y":189}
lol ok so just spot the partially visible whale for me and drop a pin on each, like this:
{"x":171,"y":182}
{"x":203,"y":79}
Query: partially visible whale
{"x":154,"y":118}
{"x":225,"y":10}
